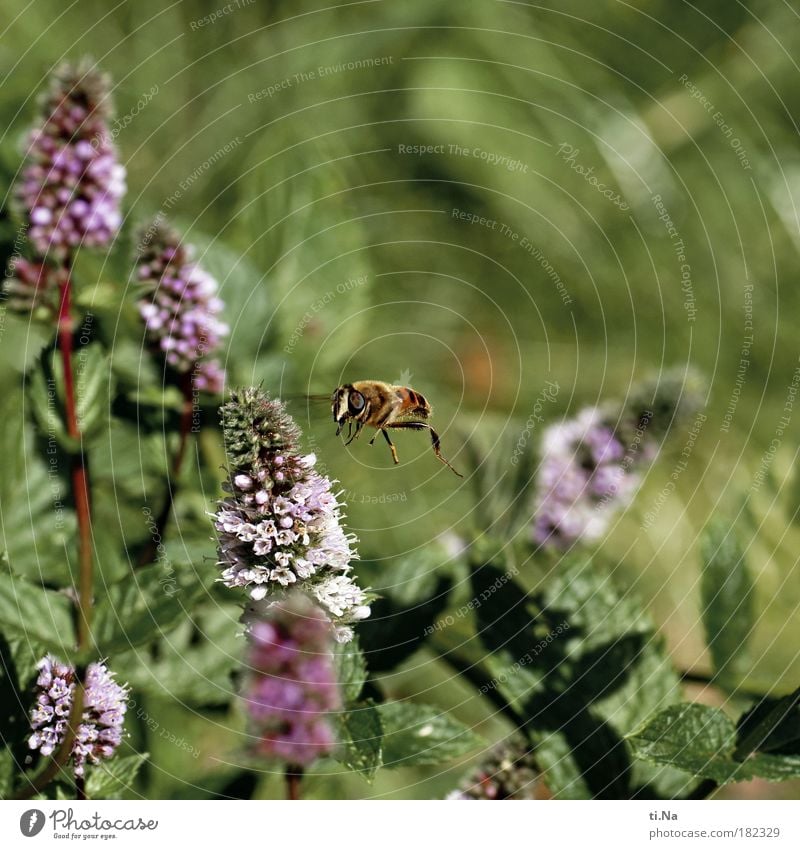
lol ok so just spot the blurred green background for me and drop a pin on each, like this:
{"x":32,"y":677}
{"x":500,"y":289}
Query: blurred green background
{"x":284,"y":138}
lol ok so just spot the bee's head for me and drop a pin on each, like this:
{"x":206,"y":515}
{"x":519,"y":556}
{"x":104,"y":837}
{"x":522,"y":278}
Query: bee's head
{"x":346,"y":403}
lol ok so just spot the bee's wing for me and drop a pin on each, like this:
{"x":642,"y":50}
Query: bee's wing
{"x":306,"y":402}
{"x":303,"y":397}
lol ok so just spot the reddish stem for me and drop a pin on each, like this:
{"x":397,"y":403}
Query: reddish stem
{"x":294,"y":775}
{"x":150,"y":551}
{"x":78,"y":472}
{"x":80,"y":493}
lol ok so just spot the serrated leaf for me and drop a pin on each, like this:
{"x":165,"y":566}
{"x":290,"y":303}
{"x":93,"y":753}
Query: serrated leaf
{"x":110,"y":779}
{"x":361,"y":739}
{"x":692,"y":737}
{"x":140,"y":608}
{"x":351,"y":670}
{"x":582,"y":669}
{"x":30,"y":611}
{"x":46,"y":404}
{"x":416,"y":734}
{"x":727,"y":596}
{"x":651,"y":684}
{"x":93,"y":388}
{"x":582,"y":593}
{"x":702,"y":740}
{"x":36,"y":523}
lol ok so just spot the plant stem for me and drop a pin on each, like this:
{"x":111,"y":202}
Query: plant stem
{"x":150,"y":551}
{"x":78,"y":472}
{"x":294,"y":775}
{"x":80,"y":492}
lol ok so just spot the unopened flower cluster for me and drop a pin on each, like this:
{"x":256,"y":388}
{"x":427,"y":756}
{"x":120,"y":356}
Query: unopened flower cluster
{"x":586,"y":474}
{"x":72,"y":183}
{"x":291,"y":689}
{"x":508,"y":772}
{"x":180,"y":308}
{"x":280,"y":528}
{"x":104,"y":706}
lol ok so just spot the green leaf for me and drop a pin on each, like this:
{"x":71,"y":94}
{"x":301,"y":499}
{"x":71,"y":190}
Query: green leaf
{"x":412,"y":580}
{"x":651,"y":684}
{"x":194,"y":672}
{"x":582,"y":594}
{"x":417,"y":734}
{"x":140,"y":608}
{"x":580,"y":663}
{"x":7,"y":768}
{"x":44,"y":395}
{"x":504,"y":611}
{"x":37,"y":614}
{"x":61,"y":791}
{"x":93,"y":385}
{"x":703,"y":741}
{"x":94,"y":388}
{"x":692,"y":737}
{"x":361,"y":736}
{"x":111,"y":779}
{"x":727,"y":596}
{"x":351,"y":670}
{"x":506,"y":623}
{"x":581,"y":755}
{"x":18,"y":659}
{"x":772,"y":725}
{"x":394,"y":632}
{"x":36,"y":524}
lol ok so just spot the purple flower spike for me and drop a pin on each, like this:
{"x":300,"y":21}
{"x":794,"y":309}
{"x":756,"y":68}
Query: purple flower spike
{"x":280,"y":528}
{"x":292,"y":687}
{"x":104,"y":705}
{"x":72,"y":183}
{"x":584,"y":478}
{"x":180,"y":308}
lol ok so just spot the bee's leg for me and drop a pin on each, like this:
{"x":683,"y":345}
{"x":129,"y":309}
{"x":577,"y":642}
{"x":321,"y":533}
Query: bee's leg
{"x":434,"y":440}
{"x":391,"y":445}
{"x":437,"y":451}
{"x":359,"y":427}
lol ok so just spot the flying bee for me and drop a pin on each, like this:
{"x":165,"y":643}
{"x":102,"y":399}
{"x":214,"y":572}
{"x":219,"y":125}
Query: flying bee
{"x":382,"y":406}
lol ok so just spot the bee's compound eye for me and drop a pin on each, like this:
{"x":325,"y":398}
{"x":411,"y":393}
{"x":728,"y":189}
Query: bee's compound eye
{"x":356,"y":401}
